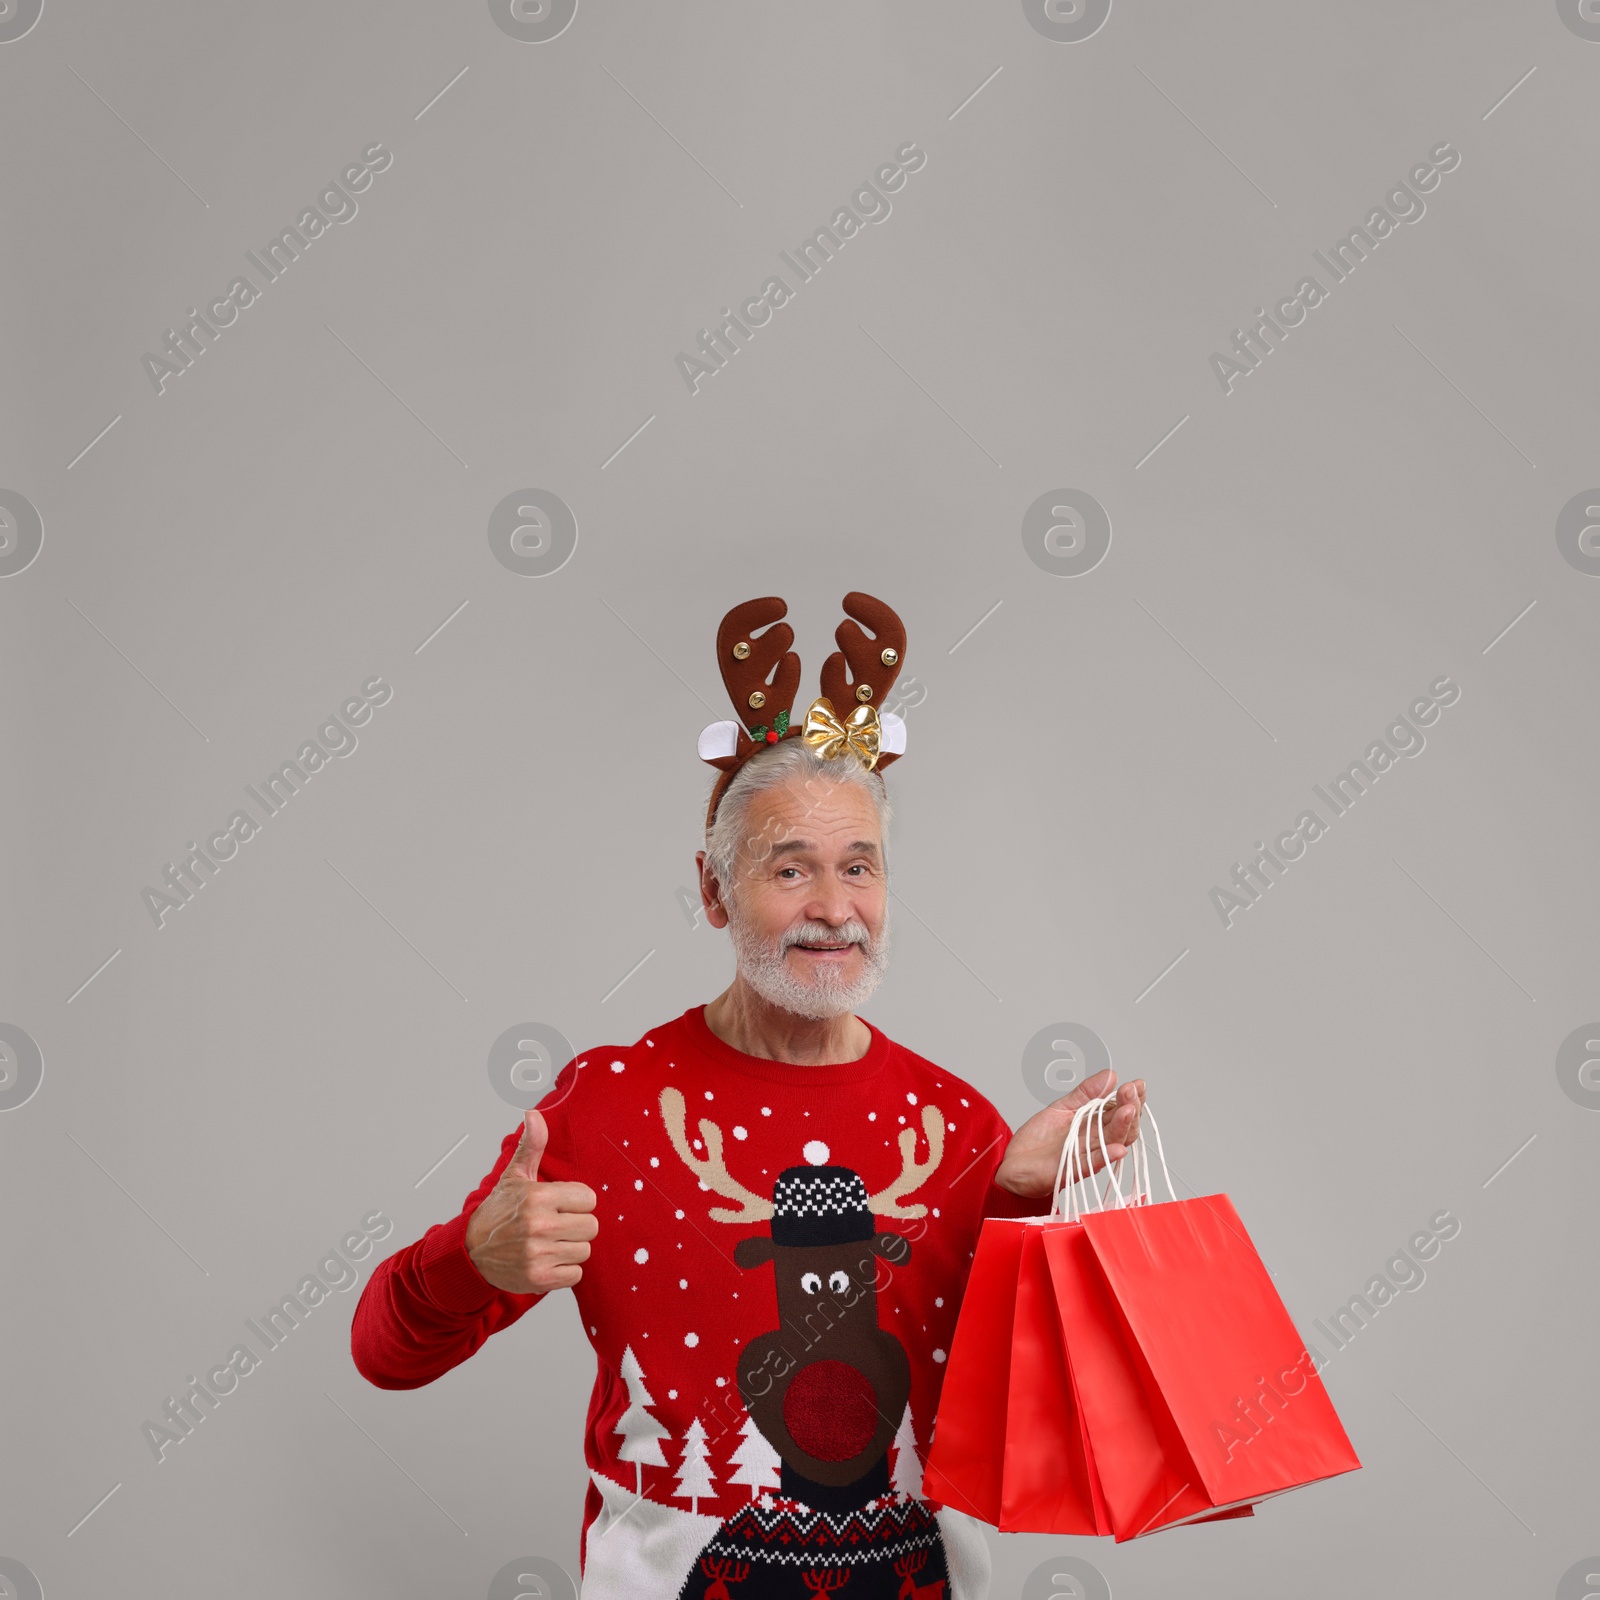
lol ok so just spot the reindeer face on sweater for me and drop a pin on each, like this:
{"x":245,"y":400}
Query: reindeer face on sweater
{"x":827,"y":1386}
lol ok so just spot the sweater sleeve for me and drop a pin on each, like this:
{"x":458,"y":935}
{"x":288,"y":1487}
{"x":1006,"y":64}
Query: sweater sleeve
{"x":426,"y":1308}
{"x":1000,"y":1202}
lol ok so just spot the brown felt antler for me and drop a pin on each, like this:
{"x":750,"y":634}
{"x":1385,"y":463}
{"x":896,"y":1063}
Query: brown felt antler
{"x":761,"y":672}
{"x":874,"y":663}
{"x":762,"y":675}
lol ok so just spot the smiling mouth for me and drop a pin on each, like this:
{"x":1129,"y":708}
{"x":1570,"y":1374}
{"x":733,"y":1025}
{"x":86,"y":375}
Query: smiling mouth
{"x":822,"y":949}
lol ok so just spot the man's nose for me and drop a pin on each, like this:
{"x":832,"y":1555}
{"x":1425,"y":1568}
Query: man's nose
{"x":831,"y":903}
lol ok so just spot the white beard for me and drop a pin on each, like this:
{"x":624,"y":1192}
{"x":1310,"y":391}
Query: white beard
{"x":766,"y":970}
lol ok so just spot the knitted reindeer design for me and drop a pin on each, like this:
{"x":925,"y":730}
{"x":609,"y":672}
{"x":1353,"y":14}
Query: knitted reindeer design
{"x":826,"y":1581}
{"x":762,"y":676}
{"x":721,"y":1574}
{"x":907,"y":1568}
{"x":827,"y":1387}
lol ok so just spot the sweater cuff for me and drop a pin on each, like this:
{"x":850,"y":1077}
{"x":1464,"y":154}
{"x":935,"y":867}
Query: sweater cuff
{"x":448,"y":1276}
{"x":1002,"y":1203}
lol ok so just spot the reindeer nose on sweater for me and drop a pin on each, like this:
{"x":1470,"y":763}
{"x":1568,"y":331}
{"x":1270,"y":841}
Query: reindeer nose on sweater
{"x":831,"y":1410}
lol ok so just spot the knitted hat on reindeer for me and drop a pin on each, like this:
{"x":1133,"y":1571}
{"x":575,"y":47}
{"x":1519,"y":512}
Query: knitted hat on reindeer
{"x":762,"y":675}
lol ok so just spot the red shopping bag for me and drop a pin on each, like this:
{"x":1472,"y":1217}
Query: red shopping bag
{"x":967,"y":1456}
{"x":1136,"y":1462}
{"x":1049,"y":1483}
{"x":1009,"y":1446}
{"x":1236,"y":1400}
{"x":1140,"y":1465}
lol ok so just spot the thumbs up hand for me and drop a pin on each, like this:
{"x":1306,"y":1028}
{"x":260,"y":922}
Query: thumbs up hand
{"x":529,"y":1237}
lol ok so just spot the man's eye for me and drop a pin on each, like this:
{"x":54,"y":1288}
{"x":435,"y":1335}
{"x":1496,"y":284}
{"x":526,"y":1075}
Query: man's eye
{"x":838,"y":1282}
{"x":810,"y":1282}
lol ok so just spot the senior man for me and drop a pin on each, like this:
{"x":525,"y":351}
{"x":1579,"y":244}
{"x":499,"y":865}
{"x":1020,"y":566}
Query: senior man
{"x":765,"y":1208}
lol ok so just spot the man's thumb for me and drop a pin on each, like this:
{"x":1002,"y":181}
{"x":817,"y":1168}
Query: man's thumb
{"x":535,"y":1136}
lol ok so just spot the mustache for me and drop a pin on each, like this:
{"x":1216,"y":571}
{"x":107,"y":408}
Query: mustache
{"x":815,"y":933}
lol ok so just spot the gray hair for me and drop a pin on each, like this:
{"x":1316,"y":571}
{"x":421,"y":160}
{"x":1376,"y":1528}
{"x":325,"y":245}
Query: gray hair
{"x":788,"y":761}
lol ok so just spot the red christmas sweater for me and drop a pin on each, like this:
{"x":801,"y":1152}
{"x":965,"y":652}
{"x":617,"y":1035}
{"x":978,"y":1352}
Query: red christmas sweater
{"x":771,"y":1296}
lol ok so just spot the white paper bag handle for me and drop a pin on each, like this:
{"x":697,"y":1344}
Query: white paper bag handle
{"x":1065,"y":1201}
{"x":1068,"y":1175}
{"x":1069,"y":1145}
{"x":1143,"y":1194}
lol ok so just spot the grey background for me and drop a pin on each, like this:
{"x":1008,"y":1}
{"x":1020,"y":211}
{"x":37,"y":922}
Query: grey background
{"x":308,"y":1040}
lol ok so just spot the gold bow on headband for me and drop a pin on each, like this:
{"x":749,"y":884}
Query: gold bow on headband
{"x":860,"y":733}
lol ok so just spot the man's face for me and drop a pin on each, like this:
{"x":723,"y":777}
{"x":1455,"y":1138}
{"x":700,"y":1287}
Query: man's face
{"x":808,"y":910}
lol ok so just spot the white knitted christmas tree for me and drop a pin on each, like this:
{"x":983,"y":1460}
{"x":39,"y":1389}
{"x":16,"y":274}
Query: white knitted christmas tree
{"x":757,"y":1461}
{"x":641,"y":1433}
{"x":694,"y":1474}
{"x":907,"y":1476}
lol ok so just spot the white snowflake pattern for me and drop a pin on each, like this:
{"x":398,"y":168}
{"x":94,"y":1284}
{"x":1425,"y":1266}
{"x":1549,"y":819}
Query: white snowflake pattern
{"x":683,"y":1283}
{"x":939,"y":1356}
{"x":619,"y":1066}
{"x":655,"y":1161}
{"x":678,"y":1215}
{"x":911,"y":1099}
{"x":740,"y":1133}
{"x":766,"y":1111}
{"x":641,"y":1255}
{"x":709,"y":1095}
{"x":938,"y":1300}
{"x":872,"y":1116}
{"x":691,"y":1339}
{"x":638,"y":1183}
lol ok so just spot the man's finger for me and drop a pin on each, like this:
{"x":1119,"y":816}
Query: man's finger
{"x":568,"y":1224}
{"x":525,"y":1159}
{"x":572,"y":1197}
{"x":568,"y":1252}
{"x":1097,"y":1087}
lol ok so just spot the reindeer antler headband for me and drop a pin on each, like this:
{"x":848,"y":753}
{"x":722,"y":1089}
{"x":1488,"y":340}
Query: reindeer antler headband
{"x":762,"y":675}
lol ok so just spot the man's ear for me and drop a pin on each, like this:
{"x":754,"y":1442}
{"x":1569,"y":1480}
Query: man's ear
{"x":710,"y":893}
{"x":754,"y":1251}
